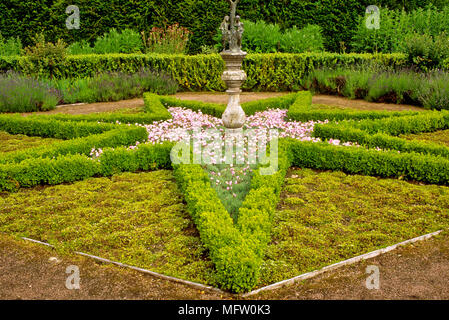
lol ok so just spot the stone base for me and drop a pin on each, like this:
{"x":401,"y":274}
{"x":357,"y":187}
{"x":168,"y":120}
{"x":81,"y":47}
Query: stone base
{"x":234,"y":117}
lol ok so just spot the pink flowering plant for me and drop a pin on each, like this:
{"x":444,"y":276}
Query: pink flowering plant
{"x":229,"y":162}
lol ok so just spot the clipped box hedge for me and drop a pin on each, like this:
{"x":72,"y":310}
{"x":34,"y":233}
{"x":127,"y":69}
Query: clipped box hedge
{"x":346,"y":133}
{"x":266,"y":72}
{"x":387,"y":164}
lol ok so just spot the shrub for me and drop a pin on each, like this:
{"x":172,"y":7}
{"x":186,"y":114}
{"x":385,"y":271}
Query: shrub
{"x":127,"y":41}
{"x":398,"y":25}
{"x":434,"y":93}
{"x":10,"y":46}
{"x":81,"y":47}
{"x":44,"y":58}
{"x":383,"y":85}
{"x":395,"y":87}
{"x":427,"y":52}
{"x":23,"y":94}
{"x":261,"y":37}
{"x":308,"y":39}
{"x":172,"y":40}
{"x":115,"y":86}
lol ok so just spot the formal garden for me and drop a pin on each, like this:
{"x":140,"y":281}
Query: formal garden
{"x":333,"y":183}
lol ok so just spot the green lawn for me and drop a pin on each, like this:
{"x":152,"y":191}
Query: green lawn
{"x":9,"y":143}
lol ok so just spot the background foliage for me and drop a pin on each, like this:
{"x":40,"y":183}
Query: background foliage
{"x":395,"y":26}
{"x":337,"y":18}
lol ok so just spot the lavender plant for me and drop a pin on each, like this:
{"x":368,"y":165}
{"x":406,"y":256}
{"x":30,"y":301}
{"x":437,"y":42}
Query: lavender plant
{"x":23,"y":94}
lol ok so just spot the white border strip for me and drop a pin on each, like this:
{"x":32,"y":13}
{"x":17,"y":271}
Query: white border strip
{"x":339,"y":264}
{"x":154,"y":274}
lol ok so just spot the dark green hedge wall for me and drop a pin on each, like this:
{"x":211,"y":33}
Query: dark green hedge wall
{"x":24,"y":18}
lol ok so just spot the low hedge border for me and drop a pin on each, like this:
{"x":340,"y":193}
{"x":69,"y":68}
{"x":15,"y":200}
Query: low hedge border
{"x":71,"y":168}
{"x":216,"y":110}
{"x":122,"y":136}
{"x":237,"y":250}
{"x":378,"y":140}
{"x":302,"y":110}
{"x":387,"y":164}
{"x":51,"y":128}
{"x":298,"y":104}
{"x":213,"y":109}
{"x":429,"y":121}
{"x":383,"y":133}
{"x":82,"y":132}
{"x":153,"y":111}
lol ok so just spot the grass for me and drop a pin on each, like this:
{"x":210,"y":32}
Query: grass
{"x":138,"y":219}
{"x":9,"y":143}
{"x":327,"y":217}
{"x":440,"y":137}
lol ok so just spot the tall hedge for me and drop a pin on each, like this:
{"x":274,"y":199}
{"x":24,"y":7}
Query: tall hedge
{"x":266,"y":72}
{"x":338,"y":18}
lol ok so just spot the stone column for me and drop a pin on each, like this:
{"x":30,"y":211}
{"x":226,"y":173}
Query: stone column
{"x":234,"y":117}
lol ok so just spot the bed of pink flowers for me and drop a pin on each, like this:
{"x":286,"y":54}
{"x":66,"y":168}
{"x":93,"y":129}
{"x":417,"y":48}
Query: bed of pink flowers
{"x":183,"y":119}
{"x":186,"y":124}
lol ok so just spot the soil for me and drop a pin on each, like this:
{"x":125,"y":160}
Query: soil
{"x":419,"y":271}
{"x":26,"y":272}
{"x":222,"y":98}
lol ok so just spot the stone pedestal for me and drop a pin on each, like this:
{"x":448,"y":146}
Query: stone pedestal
{"x":234,"y":117}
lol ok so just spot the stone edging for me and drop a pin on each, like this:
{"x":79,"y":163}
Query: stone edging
{"x":362,"y":257}
{"x":273,"y":286}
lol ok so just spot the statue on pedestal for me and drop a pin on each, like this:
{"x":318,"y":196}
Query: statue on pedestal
{"x":232,"y":29}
